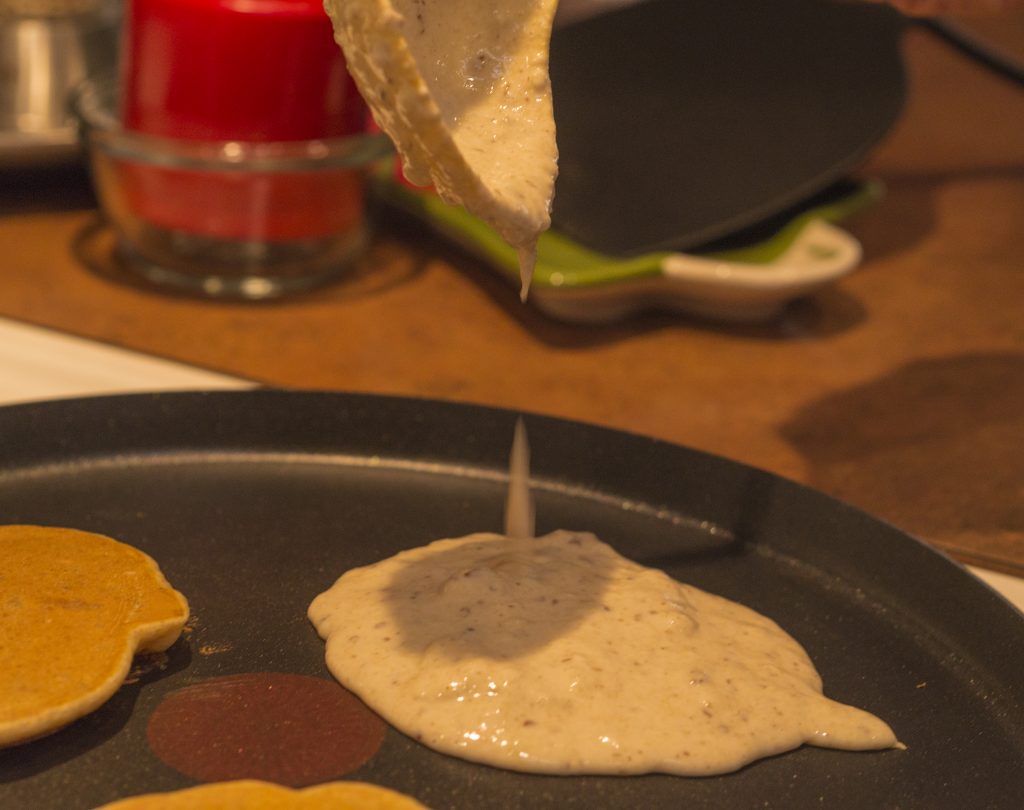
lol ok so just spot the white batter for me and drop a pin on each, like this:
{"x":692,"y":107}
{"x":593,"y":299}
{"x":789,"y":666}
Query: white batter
{"x":557,"y":655}
{"x":462,"y":88}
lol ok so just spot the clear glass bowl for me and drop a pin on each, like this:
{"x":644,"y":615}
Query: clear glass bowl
{"x":227,"y":219}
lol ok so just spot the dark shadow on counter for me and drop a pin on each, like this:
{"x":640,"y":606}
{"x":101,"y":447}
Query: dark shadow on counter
{"x":935,"y":446}
{"x":47,"y":189}
{"x":904,"y":218}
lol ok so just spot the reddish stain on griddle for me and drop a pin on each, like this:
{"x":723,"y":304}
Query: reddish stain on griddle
{"x":294,"y":730}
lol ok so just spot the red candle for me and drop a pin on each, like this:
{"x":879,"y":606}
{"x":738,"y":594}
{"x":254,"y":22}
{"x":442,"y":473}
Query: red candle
{"x":248,"y":71}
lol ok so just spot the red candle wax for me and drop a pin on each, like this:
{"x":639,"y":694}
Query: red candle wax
{"x":249,"y":70}
{"x":239,"y":70}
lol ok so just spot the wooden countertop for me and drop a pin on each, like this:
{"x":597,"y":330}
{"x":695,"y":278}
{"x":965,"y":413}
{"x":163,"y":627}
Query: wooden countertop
{"x":900,"y":389}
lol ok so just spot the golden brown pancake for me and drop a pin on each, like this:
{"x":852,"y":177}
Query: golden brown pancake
{"x":253,"y":795}
{"x":75,"y":607}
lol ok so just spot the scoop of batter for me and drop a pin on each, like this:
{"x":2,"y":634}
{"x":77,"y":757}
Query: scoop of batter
{"x":462,"y":88}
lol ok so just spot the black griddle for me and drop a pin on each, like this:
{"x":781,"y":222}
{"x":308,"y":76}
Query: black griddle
{"x":253,"y":502}
{"x":681,"y":122}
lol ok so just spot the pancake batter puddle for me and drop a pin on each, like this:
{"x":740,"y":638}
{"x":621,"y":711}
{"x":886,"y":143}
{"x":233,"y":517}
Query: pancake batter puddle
{"x":558,"y":655}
